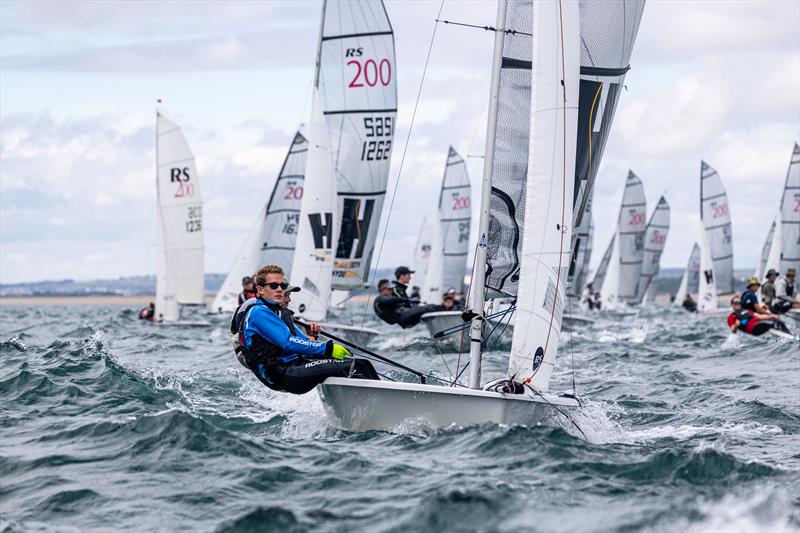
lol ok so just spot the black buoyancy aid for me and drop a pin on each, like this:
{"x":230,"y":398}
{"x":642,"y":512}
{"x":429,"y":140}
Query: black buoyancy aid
{"x":743,"y":316}
{"x":388,"y":316}
{"x":262,"y":351}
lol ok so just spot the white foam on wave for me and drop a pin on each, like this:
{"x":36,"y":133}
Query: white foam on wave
{"x":304,"y":414}
{"x":731,"y":342}
{"x":759,"y":511}
{"x":636,"y":335}
{"x":602,"y":424}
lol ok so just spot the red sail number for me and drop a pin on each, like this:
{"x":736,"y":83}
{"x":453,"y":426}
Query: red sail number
{"x":636,"y":219}
{"x":719,"y":210}
{"x":371,"y":72}
{"x":460,"y":202}
{"x":293,"y":192}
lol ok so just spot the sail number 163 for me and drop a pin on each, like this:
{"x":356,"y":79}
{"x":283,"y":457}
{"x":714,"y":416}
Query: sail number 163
{"x":375,"y":148}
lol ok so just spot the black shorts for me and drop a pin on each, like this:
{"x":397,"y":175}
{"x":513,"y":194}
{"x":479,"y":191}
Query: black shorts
{"x":299,"y":377}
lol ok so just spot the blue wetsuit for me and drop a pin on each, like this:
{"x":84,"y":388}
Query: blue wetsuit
{"x":284,"y":359}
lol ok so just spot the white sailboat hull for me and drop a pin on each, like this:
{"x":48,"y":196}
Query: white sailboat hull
{"x":366,"y":405}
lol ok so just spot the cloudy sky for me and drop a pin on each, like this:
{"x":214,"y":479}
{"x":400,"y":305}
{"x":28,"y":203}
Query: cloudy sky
{"x":79,"y":82}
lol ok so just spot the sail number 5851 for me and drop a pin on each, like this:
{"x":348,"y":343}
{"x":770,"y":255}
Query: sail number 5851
{"x":371,"y":73}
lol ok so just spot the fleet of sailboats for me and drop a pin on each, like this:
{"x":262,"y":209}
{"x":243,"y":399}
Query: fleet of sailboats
{"x":557,"y":72}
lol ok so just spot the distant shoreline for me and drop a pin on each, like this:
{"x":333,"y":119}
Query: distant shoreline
{"x":139,"y":299}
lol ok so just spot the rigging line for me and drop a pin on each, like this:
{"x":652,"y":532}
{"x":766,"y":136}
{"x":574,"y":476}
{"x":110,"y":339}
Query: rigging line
{"x":486,"y":28}
{"x":571,"y":347}
{"x":403,"y":159}
{"x":559,"y":410}
{"x":441,"y":355}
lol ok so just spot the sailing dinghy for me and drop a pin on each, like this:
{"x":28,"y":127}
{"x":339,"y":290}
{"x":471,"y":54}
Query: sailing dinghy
{"x":655,"y":238}
{"x":716,"y":242}
{"x":354,"y":106}
{"x":781,"y":249}
{"x":535,"y":74}
{"x":179,"y":220}
{"x":621,"y":279}
{"x":272,"y":239}
{"x":690,"y":281}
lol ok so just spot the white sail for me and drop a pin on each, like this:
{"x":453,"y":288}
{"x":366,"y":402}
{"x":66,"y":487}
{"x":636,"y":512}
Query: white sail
{"x":431,"y":290}
{"x":716,"y":216}
{"x":602,"y":269}
{"x":358,"y":95}
{"x":761,"y":269}
{"x":655,"y":239}
{"x":423,"y":250}
{"x":691,"y":277}
{"x":272,"y":238}
{"x":632,"y":222}
{"x":455,"y":215}
{"x":179,"y":275}
{"x":551,"y":170}
{"x":707,"y":291}
{"x":609,"y":290}
{"x":774,"y":255}
{"x":312,"y":266}
{"x":790,"y":216}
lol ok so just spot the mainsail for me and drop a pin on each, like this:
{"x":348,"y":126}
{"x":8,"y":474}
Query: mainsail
{"x":655,"y":238}
{"x":790,"y":215}
{"x":765,"y":251}
{"x":608,"y":32}
{"x":707,"y":286}
{"x":691,"y":277}
{"x":545,"y":250}
{"x":625,"y":266}
{"x":358,"y":95}
{"x":179,"y":273}
{"x":716,"y":216}
{"x":272,"y":238}
{"x":455,"y":215}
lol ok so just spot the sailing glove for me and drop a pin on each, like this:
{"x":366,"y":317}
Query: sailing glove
{"x":337,"y":351}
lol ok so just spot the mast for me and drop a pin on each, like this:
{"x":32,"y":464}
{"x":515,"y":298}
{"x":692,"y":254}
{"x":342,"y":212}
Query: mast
{"x":479,"y":277}
{"x":319,"y":44}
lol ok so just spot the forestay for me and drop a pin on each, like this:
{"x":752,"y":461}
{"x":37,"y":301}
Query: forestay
{"x":655,"y":238}
{"x":358,"y":95}
{"x":510,"y":162}
{"x":691,"y":276}
{"x":455,"y":215}
{"x":790,"y":215}
{"x":179,"y":276}
{"x":716,"y":216}
{"x":631,"y":224}
{"x":272,"y":238}
{"x":546,"y":243}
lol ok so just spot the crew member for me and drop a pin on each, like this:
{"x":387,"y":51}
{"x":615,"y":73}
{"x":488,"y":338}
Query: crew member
{"x":689,"y":304}
{"x":287,"y":315}
{"x":447,"y":302}
{"x":750,"y":300}
{"x":394,"y":309}
{"x":768,"y":289}
{"x":415,"y":294}
{"x":785,"y":293}
{"x":248,"y":290}
{"x":280,"y":356}
{"x":148,"y":312}
{"x":402,"y":276}
{"x":752,"y":322}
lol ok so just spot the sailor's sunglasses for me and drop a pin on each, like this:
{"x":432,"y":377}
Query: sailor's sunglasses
{"x":736,"y":302}
{"x":274,"y":285}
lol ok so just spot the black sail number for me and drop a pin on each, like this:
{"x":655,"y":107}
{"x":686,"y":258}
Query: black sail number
{"x":378,"y":133}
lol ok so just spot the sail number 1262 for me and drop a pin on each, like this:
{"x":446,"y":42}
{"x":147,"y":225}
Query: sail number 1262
{"x":375,"y":148}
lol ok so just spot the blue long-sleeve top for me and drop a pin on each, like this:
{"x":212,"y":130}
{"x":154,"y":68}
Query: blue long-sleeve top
{"x":263,"y":321}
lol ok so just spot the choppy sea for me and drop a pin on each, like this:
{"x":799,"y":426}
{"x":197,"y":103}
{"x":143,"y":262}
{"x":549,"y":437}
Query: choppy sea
{"x":111,"y":424}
